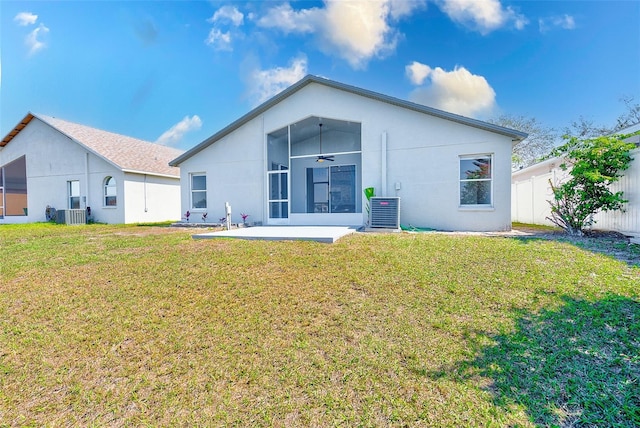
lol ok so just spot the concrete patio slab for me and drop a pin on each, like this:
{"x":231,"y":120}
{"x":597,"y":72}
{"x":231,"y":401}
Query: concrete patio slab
{"x":327,"y":234}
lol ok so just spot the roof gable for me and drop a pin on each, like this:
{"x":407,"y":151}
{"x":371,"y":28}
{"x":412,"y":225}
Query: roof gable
{"x":513,"y":134}
{"x":125,"y":153}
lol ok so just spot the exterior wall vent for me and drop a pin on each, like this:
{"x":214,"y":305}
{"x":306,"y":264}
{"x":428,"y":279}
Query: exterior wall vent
{"x":71,"y":217}
{"x":384,"y":212}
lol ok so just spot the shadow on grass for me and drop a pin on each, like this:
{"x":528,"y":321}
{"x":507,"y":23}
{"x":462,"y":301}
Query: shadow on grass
{"x":578,"y":365}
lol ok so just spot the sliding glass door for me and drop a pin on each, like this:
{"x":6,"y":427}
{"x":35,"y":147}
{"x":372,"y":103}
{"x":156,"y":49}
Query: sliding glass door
{"x":331,"y":189}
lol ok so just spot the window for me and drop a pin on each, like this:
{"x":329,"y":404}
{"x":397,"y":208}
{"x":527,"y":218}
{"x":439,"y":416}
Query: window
{"x":74,"y":194}
{"x":13,"y":188}
{"x":331,"y":189}
{"x":198,"y":191}
{"x":110,"y":192}
{"x":476,"y":180}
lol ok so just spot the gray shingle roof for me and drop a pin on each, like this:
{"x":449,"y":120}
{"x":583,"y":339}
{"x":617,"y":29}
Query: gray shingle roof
{"x":126,"y":153}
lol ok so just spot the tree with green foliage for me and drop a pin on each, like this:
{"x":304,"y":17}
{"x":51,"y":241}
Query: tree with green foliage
{"x":594,"y":164}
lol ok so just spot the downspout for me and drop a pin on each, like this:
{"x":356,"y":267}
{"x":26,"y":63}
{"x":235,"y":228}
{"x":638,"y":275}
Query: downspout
{"x":86,"y":180}
{"x":265,"y":173}
{"x":145,"y":193}
{"x":383,"y":164}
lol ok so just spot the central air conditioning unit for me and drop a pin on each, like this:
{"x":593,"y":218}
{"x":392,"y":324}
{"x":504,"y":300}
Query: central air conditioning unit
{"x":71,"y":217}
{"x":384,"y":212}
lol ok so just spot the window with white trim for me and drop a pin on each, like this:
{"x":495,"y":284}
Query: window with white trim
{"x":476,"y":181}
{"x":198,"y":191}
{"x":74,"y":194}
{"x":110,"y":192}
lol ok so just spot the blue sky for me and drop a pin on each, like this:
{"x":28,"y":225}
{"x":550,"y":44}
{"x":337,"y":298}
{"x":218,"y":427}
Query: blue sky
{"x":176,"y":72}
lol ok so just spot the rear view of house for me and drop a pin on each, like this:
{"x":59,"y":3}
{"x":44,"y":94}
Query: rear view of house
{"x":305,"y":156}
{"x":48,"y":162}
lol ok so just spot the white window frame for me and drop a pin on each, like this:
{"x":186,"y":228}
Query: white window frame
{"x":71,"y":195}
{"x":461,"y":180}
{"x":192,"y":191}
{"x":105,"y":195}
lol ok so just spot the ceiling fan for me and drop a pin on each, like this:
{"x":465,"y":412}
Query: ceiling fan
{"x":320,"y":157}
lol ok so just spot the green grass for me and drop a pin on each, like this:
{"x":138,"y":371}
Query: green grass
{"x":140,"y":325}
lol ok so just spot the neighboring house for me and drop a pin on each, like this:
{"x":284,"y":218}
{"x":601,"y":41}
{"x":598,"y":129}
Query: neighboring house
{"x":48,"y":162}
{"x":531,"y":192}
{"x":304,"y":157}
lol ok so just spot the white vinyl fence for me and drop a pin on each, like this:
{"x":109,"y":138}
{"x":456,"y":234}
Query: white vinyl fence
{"x":530,"y":193}
{"x":529,"y":199}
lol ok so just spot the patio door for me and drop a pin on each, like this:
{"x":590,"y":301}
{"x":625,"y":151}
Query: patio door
{"x":278,"y":192}
{"x":331,"y":189}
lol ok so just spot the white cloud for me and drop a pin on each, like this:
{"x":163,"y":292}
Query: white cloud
{"x":456,"y":91}
{"x":401,"y":8}
{"x":356,"y":31}
{"x":288,"y":20}
{"x":175,"y":134}
{"x":229,"y":17}
{"x":482,"y":15}
{"x":218,"y":40}
{"x":417,"y":72}
{"x":228,"y":14}
{"x":33,"y":41}
{"x":264,"y":84}
{"x":25,"y":18}
{"x":565,"y":22}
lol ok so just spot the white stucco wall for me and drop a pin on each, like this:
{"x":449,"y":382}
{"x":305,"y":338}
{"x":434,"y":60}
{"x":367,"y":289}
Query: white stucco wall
{"x":235,"y":174}
{"x":422,"y":155}
{"x":151,"y":198}
{"x":52,"y":160}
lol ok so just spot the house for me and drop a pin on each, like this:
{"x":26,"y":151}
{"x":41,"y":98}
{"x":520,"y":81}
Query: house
{"x":531,"y":191}
{"x":49,"y":162}
{"x":304,"y":157}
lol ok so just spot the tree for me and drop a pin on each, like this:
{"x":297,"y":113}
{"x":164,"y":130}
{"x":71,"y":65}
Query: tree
{"x":584,"y":128}
{"x":587,"y":128}
{"x":595,"y":164}
{"x":540,"y":141}
{"x":631,"y":116}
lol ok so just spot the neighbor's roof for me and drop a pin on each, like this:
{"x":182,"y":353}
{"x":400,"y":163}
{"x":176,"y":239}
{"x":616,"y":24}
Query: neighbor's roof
{"x":125,"y":153}
{"x":515,"y":135}
{"x":633,"y":129}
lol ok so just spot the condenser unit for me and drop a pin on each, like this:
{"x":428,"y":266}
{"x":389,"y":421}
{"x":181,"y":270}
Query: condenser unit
{"x":384,"y":212}
{"x":71,"y":217}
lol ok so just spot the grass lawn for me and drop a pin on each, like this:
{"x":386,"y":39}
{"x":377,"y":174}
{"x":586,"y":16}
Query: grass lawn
{"x":135,"y":326}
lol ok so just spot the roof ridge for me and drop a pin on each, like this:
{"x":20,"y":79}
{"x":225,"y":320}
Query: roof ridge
{"x":126,"y":153}
{"x":310,"y":78}
{"x":48,"y":119}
